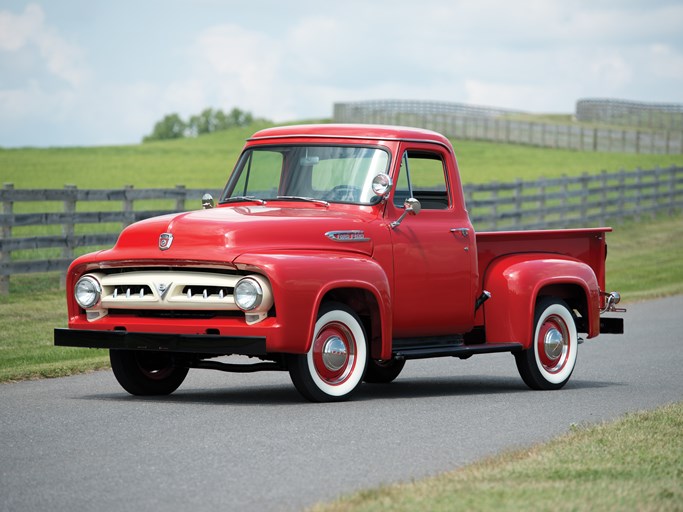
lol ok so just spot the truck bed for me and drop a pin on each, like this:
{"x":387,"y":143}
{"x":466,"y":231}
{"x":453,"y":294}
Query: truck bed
{"x":587,"y":245}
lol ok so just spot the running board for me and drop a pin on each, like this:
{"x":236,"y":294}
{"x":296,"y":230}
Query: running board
{"x":461,"y":351}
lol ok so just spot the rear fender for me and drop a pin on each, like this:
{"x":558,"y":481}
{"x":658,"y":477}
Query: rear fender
{"x":302,"y":279}
{"x":516,"y":281}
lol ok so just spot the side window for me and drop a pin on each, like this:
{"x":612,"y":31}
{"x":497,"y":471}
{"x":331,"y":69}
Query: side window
{"x":402,"y":190}
{"x":423,"y":177}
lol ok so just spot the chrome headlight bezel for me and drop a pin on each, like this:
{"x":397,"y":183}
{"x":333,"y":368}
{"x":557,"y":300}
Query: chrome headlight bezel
{"x":91,"y":288}
{"x":248,"y":294}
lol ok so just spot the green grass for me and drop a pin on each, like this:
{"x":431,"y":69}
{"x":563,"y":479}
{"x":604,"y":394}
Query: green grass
{"x":635,"y":463}
{"x":206,"y":161}
{"x":197,"y":162}
{"x":483,"y":162}
{"x":644,"y":258}
{"x":26,"y":341}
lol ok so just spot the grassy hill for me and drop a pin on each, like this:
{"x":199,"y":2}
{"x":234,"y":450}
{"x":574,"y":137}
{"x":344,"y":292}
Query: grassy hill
{"x":206,"y":161}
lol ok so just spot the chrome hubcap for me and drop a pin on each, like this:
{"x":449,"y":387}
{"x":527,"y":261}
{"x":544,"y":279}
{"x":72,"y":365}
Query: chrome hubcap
{"x":334,"y":353}
{"x":553,"y":343}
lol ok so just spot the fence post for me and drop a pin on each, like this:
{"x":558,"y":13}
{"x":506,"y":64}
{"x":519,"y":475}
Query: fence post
{"x":672,"y":189}
{"x":128,"y":217}
{"x":622,"y":193}
{"x":519,"y":191}
{"x":68,"y":228}
{"x":494,"y":206}
{"x":6,"y":256}
{"x":541,"y":202}
{"x":585,"y":180}
{"x":637,"y":187}
{"x":595,"y":139}
{"x":603,"y":197}
{"x":180,"y":201}
{"x":563,"y":198}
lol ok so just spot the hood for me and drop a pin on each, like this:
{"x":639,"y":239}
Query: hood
{"x":222,"y":234}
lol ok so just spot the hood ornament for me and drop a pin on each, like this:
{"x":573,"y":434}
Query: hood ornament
{"x":165,"y":241}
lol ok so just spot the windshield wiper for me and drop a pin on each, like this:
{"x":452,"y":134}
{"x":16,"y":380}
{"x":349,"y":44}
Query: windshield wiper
{"x":234,"y":199}
{"x":321,"y":202}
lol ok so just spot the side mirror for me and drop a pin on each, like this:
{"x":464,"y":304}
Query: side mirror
{"x":411,"y":206}
{"x":207,"y":201}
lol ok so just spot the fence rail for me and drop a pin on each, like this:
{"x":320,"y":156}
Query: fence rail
{"x":29,"y":243}
{"x":499,"y":128}
{"x":667,"y":116}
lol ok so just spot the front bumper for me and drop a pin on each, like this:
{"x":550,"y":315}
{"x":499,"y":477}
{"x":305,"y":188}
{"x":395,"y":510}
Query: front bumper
{"x":189,"y":343}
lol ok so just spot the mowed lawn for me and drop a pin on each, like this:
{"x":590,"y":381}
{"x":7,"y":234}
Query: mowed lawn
{"x":206,"y":161}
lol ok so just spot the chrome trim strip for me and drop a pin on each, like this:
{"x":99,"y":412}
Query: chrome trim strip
{"x":351,"y":235}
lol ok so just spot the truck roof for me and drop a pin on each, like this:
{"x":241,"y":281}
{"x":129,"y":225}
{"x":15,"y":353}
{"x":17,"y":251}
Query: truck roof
{"x":351,"y":131}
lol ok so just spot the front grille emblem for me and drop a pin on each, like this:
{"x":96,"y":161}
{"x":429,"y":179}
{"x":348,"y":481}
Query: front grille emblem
{"x":162,"y":288}
{"x":165,"y":241}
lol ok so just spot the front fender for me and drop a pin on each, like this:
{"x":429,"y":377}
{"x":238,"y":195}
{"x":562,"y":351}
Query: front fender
{"x":300,"y":280}
{"x":516,"y":281}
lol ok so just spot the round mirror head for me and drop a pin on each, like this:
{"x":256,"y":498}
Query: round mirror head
{"x":381,"y":185}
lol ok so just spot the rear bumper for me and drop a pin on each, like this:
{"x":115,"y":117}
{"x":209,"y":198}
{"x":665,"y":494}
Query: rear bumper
{"x":190,"y":343}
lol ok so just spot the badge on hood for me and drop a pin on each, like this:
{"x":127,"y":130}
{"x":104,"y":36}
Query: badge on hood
{"x":165,"y":241}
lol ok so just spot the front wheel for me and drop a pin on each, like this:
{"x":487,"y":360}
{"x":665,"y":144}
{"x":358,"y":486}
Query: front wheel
{"x":334,"y":365}
{"x":146,"y":373}
{"x":383,"y":372}
{"x":550,"y":361}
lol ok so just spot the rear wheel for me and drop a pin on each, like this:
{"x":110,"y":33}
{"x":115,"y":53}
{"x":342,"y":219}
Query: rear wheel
{"x":146,"y":373}
{"x":550,"y":361}
{"x":334,"y":365}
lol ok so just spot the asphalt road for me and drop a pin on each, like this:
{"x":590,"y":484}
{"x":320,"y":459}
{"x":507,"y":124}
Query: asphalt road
{"x":249,"y":442}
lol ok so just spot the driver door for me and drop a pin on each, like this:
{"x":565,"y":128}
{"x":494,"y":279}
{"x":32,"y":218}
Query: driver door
{"x":433,"y":251}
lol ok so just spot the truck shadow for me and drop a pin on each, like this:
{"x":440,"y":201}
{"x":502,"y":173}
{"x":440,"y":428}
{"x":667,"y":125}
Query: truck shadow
{"x":279,"y":394}
{"x":460,"y":386}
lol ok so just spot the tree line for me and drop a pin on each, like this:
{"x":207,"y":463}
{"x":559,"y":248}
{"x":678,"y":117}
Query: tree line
{"x":172,"y":126}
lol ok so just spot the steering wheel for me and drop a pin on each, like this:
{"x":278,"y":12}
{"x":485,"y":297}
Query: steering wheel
{"x":344,"y":193}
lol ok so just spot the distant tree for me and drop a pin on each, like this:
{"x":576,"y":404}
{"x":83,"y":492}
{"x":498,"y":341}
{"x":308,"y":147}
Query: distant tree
{"x":208,"y":121}
{"x":240,"y":118}
{"x":170,"y":127}
{"x":202,"y":123}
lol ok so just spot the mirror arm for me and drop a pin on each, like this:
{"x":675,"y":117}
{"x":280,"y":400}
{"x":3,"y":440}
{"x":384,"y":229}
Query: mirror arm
{"x":412,"y":206}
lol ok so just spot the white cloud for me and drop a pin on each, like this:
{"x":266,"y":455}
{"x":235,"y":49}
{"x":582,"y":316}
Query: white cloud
{"x":17,"y":31}
{"x":29,"y":30}
{"x":293,"y":62}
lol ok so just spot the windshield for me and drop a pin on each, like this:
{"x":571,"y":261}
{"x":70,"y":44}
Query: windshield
{"x":338,"y":174}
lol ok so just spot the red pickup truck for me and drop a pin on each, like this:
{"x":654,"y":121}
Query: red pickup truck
{"x":336,"y":253}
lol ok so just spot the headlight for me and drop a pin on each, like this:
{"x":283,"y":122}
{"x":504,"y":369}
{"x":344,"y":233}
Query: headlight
{"x":87,"y":292}
{"x":248,"y":294}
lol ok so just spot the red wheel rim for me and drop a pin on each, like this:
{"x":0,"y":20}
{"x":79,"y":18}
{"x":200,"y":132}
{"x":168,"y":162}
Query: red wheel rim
{"x":334,"y":353}
{"x":552,"y":344}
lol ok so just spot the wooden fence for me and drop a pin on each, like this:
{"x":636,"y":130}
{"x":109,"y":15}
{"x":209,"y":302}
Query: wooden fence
{"x":586,"y":200}
{"x":35,"y":240}
{"x":509,"y":130}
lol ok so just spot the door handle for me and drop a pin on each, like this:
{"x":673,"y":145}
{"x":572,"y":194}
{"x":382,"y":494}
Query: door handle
{"x":463,"y":231}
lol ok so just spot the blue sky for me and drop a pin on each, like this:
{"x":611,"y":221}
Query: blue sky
{"x":88,"y":72}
